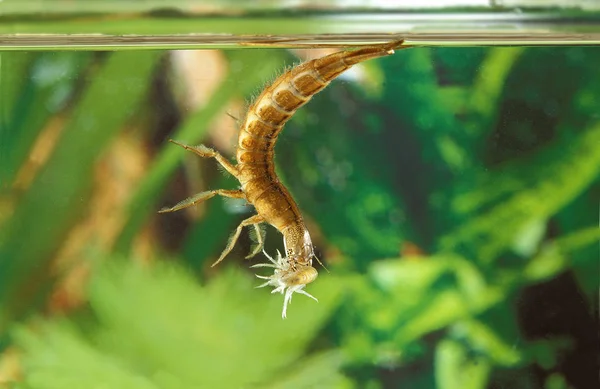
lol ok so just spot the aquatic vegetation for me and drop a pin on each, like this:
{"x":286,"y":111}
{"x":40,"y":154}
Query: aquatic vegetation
{"x":455,"y":203}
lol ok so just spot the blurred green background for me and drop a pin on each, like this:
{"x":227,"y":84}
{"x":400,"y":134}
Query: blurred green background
{"x":453,"y":194}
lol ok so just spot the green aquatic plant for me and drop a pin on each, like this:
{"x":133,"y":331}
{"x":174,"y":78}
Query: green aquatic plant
{"x":156,"y":327}
{"x":441,"y":199}
{"x":45,"y":212}
{"x":488,"y":227}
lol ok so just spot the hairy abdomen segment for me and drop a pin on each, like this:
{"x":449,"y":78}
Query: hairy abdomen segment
{"x":265,"y":120}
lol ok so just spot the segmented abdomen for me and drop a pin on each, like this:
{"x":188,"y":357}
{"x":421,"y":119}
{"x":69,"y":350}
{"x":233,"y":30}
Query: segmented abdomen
{"x":265,"y":120}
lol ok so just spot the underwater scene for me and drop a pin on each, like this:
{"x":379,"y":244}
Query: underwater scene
{"x":451,"y":195}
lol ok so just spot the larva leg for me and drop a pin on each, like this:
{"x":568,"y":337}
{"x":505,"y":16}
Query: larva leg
{"x":256,"y":219}
{"x":207,"y":152}
{"x":259,"y":236}
{"x":203,"y":196}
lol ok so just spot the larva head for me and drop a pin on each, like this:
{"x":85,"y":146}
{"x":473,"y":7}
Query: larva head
{"x":298,"y":245}
{"x":288,"y":277}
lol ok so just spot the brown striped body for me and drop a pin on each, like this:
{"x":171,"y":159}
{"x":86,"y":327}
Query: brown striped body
{"x":255,"y":169}
{"x":258,"y":134}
